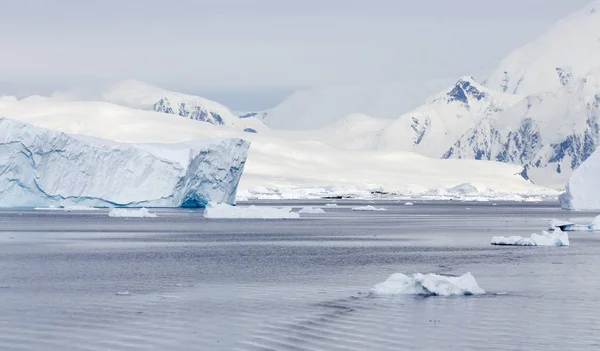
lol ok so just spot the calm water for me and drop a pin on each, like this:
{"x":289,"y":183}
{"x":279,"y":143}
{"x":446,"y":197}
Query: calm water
{"x":195,"y":284}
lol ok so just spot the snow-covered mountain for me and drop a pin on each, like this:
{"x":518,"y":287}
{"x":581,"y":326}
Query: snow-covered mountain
{"x":433,"y":127}
{"x":319,"y":107}
{"x":140,"y":95}
{"x":568,"y":50}
{"x":430,"y":129}
{"x":551,"y":133}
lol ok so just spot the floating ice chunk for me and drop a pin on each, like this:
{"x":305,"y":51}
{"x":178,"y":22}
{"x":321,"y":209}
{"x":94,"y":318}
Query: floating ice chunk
{"x":428,"y":285}
{"x":331,"y":205}
{"x":311,"y":210}
{"x":573,"y":227}
{"x":237,"y":212}
{"x":408,"y":204}
{"x":368,"y":208}
{"x":556,"y":238}
{"x":137,"y":213}
{"x":123,"y":293}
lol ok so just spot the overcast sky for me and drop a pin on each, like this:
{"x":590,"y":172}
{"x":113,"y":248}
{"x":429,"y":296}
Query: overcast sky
{"x":249,"y":54}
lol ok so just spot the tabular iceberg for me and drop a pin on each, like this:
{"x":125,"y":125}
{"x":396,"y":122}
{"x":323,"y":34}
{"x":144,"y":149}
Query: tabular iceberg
{"x":40,"y":167}
{"x":583,"y":189}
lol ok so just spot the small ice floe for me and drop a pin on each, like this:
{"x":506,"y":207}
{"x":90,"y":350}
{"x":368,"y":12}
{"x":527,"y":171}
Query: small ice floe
{"x":331,"y":205}
{"x":311,"y":210}
{"x":573,"y":227}
{"x":134,"y":213}
{"x":225,"y":211}
{"x":123,"y":293}
{"x":408,"y":204}
{"x":556,"y":238}
{"x":368,"y":208}
{"x":428,"y":285}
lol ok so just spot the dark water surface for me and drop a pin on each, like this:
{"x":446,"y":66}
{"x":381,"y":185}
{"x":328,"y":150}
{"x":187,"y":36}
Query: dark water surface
{"x":197,"y":284}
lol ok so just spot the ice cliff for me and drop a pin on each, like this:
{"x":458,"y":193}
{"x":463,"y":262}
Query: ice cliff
{"x":583,"y":188}
{"x":40,"y":167}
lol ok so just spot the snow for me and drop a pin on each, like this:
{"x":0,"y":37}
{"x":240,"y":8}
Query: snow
{"x":583,"y":188}
{"x":225,"y":211}
{"x":368,"y":208}
{"x":134,"y":213}
{"x":568,"y":48}
{"x":42,"y":168}
{"x":428,"y":285}
{"x":294,"y":164}
{"x":311,"y":210}
{"x":555,"y":238}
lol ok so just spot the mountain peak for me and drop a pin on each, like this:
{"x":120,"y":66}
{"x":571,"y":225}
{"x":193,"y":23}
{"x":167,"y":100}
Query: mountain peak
{"x":465,"y":89}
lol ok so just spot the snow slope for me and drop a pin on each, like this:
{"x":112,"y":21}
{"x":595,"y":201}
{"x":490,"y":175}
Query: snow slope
{"x":320,"y":107}
{"x":140,"y":95}
{"x":567,"y":51}
{"x":40,"y":167}
{"x":430,"y":129}
{"x":276,"y":159}
{"x":551,"y":133}
{"x":583,"y":188}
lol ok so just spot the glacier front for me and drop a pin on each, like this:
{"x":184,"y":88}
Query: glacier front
{"x":40,"y":167}
{"x":583,"y":188}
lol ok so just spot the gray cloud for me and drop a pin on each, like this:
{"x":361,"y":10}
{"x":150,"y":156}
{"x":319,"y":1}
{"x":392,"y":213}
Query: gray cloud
{"x":223,"y":48}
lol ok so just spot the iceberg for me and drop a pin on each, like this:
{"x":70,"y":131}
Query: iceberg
{"x":428,"y":285}
{"x":583,"y":188}
{"x":556,"y":238}
{"x":133,"y":213}
{"x":368,"y":208}
{"x":225,"y":211}
{"x":311,"y":210}
{"x":44,"y":168}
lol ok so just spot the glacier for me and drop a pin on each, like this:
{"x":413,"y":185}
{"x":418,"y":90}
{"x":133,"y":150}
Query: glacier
{"x":583,"y":188}
{"x":45,"y":168}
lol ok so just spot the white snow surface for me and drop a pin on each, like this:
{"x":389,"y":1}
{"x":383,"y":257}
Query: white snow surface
{"x":583,"y":188}
{"x":368,"y":208}
{"x":311,"y":210}
{"x":131,"y":213}
{"x":428,"y":285}
{"x":568,"y":49}
{"x":225,"y":211}
{"x":42,"y":168}
{"x":292,"y":162}
{"x":555,"y":238}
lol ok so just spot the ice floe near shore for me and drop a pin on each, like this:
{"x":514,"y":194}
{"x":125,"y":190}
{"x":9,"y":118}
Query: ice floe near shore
{"x":368,"y":208}
{"x":131,"y":213}
{"x":428,"y":285}
{"x":225,"y":211}
{"x":555,"y":238}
